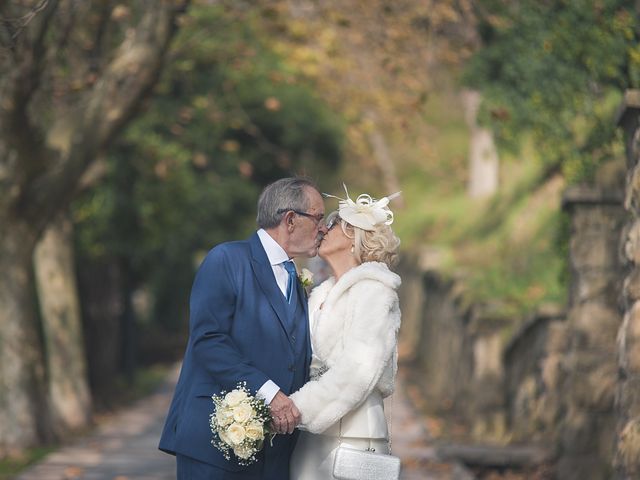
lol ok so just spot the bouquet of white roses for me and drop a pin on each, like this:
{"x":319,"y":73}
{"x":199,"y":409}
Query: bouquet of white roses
{"x":239,"y":424}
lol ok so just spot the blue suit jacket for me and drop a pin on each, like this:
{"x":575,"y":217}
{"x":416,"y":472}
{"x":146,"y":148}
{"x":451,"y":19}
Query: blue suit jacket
{"x":238,"y":333}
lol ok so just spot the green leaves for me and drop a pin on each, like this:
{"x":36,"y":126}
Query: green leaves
{"x":557,"y":69}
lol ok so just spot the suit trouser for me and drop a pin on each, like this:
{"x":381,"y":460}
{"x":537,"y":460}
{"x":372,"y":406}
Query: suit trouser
{"x":191,"y":469}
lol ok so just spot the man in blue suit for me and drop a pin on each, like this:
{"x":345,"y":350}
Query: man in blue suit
{"x":248,"y":323}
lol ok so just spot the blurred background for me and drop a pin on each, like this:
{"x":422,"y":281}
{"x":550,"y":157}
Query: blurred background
{"x":135,"y":136}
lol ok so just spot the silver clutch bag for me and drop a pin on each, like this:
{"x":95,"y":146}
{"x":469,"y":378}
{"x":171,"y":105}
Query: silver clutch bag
{"x":354,"y":464}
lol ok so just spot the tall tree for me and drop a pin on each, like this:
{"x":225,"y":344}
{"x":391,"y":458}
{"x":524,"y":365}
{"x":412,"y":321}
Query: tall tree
{"x":71,"y":75}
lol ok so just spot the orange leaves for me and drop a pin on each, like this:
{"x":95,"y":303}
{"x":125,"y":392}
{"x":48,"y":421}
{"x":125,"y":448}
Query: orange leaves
{"x":200,"y":160}
{"x":73,"y":472}
{"x":120,"y":12}
{"x":230,"y":146}
{"x":272,"y":104}
{"x":245,"y":169}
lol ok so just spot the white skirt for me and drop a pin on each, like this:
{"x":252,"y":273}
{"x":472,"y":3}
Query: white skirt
{"x":313,"y":456}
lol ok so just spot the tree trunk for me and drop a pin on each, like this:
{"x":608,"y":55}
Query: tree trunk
{"x":62,"y":328}
{"x":23,"y":414}
{"x":483,"y":155}
{"x":383,"y":157}
{"x":45,"y":148}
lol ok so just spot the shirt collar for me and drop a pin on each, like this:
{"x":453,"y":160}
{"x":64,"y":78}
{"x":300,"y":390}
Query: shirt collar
{"x":275,"y":253}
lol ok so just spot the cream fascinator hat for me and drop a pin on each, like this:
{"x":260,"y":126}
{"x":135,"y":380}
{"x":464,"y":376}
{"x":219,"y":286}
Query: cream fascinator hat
{"x":366,"y":212}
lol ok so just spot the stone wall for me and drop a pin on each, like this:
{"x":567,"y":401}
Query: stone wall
{"x":627,"y":450}
{"x":455,"y":349}
{"x":588,"y":428}
{"x":550,"y":380}
{"x":487,"y":334}
{"x":412,"y":298}
{"x":566,"y":378}
{"x":535,"y":369}
{"x":444,"y":357}
{"x":561,"y":368}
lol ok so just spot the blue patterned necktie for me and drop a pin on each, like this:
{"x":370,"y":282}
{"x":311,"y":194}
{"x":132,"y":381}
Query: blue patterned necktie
{"x":291,"y":270}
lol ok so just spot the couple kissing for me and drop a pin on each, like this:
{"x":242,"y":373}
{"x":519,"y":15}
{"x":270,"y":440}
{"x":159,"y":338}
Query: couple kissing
{"x":322,"y":364}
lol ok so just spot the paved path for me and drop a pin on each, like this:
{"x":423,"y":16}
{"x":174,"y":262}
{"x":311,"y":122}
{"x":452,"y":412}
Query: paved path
{"x":411,"y":440}
{"x":125,"y":446}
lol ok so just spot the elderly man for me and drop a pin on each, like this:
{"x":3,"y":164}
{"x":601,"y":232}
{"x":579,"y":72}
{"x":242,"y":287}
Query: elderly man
{"x":248,"y":323}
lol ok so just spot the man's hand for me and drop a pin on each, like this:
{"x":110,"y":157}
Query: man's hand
{"x":285,"y":414}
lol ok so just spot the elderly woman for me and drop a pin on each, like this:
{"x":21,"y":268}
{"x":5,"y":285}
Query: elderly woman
{"x":354,"y":317}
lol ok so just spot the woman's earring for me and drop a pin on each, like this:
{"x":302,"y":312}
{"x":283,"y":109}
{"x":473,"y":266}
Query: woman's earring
{"x":353,"y":249}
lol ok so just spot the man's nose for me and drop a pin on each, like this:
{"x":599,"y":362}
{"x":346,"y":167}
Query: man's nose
{"x":322,"y":227}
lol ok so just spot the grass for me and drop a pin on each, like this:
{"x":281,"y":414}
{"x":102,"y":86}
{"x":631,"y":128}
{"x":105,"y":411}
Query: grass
{"x":515,"y":252}
{"x":507,"y":245}
{"x":12,"y":466}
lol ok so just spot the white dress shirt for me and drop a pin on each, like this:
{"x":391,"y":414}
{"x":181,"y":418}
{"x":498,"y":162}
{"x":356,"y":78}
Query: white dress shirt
{"x":277,"y":256}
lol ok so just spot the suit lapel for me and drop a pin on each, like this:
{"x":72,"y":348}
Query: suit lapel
{"x":302,"y":295}
{"x":264,"y":275}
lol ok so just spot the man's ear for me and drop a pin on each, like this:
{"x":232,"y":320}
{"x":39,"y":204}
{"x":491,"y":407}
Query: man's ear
{"x":289,"y":220}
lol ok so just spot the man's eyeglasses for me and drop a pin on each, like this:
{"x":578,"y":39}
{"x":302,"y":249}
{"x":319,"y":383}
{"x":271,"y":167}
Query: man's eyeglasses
{"x":316,"y":218}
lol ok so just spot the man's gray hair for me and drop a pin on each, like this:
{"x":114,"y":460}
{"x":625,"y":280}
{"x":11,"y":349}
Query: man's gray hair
{"x":281,"y":196}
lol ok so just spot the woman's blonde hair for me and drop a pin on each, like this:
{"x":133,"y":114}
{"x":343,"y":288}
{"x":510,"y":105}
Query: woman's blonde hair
{"x":379,"y":245}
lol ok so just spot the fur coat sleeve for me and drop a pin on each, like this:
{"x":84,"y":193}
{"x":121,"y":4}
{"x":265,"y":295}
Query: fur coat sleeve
{"x":358,"y":344}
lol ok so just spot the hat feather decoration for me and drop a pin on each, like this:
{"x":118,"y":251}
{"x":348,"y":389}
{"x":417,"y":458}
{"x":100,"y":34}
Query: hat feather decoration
{"x":365,"y":212}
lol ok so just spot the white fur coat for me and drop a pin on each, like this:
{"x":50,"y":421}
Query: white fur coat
{"x":356,"y":337}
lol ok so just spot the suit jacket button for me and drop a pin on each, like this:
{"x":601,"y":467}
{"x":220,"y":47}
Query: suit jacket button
{"x":291,"y":368}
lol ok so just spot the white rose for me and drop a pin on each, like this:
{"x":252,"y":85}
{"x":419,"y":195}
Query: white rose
{"x":254,"y":431}
{"x":236,"y":434}
{"x":224,"y":416}
{"x":224,"y":438}
{"x":306,"y":277}
{"x":242,"y":412}
{"x":234,"y":397}
{"x":242,"y":451}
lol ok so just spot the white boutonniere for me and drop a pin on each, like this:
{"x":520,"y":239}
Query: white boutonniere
{"x":306,"y":278}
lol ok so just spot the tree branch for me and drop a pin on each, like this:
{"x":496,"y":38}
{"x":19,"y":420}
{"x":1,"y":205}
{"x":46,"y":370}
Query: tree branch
{"x":130,"y":75}
{"x":14,"y":26}
{"x":25,"y":75}
{"x":67,"y":26}
{"x":106,"y":108}
{"x":100,"y":30}
{"x":23,"y":139}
